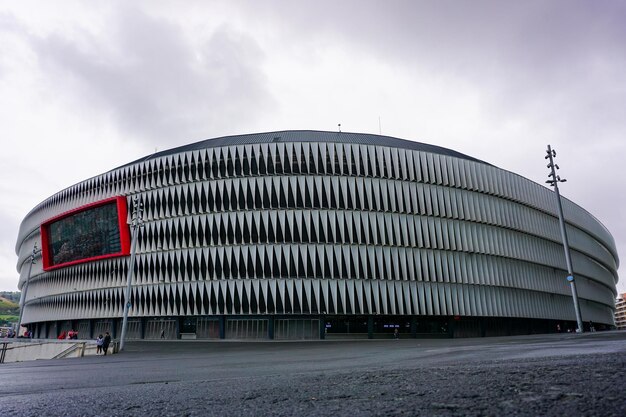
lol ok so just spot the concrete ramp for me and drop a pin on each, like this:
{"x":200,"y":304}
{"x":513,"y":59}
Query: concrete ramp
{"x":20,"y":351}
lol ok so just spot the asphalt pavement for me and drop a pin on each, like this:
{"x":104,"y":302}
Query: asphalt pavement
{"x":552,"y":375}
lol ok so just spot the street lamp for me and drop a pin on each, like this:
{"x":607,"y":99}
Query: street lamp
{"x":553,"y":181}
{"x":136,"y":223}
{"x":31,"y":261}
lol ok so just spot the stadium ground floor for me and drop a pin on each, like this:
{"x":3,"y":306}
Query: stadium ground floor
{"x":289,"y":327}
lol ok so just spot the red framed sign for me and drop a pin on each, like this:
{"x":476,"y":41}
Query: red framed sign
{"x":92,"y":232}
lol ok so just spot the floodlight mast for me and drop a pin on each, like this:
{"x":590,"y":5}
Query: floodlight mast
{"x":554,"y":181}
{"x":31,"y":261}
{"x":136,"y":223}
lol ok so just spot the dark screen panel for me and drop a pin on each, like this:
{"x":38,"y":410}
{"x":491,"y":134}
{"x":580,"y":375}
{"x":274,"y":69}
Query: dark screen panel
{"x":87,"y":234}
{"x":92,"y":232}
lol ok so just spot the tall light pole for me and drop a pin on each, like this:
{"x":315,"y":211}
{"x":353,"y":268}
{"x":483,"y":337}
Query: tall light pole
{"x":554,"y":181}
{"x":136,"y":223}
{"x":31,"y":261}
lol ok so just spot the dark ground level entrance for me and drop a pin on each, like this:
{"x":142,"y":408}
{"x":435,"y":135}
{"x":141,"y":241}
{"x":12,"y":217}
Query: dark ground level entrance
{"x":287,"y":327}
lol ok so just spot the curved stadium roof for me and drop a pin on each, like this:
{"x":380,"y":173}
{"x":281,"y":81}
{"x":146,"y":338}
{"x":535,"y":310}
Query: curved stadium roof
{"x":310,"y":136}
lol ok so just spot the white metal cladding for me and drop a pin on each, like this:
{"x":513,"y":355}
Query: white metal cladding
{"x":329,"y":227}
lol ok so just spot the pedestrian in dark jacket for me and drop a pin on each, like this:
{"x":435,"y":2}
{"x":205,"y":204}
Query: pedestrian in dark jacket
{"x":106,"y":342}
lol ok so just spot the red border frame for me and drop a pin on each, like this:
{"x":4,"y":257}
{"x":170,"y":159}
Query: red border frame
{"x":122,"y":214}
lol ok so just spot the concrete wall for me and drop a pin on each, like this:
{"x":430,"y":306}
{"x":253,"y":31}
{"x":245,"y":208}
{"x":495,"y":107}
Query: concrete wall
{"x":20,"y":351}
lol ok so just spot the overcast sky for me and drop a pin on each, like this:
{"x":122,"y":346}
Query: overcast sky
{"x":88,"y":86}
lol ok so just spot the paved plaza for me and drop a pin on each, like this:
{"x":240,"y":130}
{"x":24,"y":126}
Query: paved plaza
{"x":559,"y":374}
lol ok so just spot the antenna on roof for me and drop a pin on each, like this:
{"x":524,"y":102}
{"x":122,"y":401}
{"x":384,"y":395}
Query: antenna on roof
{"x":339,"y":126}
{"x":380,"y":129}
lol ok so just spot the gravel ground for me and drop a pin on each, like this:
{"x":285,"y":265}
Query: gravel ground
{"x":589,"y":385}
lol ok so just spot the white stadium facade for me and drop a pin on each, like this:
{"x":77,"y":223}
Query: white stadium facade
{"x":309,"y":235}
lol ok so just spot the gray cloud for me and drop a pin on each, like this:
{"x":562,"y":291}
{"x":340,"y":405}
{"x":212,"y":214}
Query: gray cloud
{"x":156,"y":86}
{"x":8,"y":231}
{"x":528,"y":59}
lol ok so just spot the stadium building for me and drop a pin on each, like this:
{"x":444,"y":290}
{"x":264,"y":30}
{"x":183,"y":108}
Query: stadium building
{"x":620,"y":312}
{"x":309,"y":235}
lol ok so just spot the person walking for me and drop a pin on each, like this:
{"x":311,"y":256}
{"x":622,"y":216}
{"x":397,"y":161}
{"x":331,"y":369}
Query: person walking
{"x":106,"y":342}
{"x":99,"y":344}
